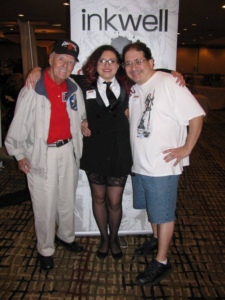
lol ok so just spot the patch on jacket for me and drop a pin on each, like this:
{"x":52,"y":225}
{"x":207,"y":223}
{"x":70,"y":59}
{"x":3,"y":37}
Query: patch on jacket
{"x":73,"y":102}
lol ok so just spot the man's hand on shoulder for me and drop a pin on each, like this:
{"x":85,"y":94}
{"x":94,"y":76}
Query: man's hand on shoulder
{"x":33,"y":77}
{"x":180,"y":79}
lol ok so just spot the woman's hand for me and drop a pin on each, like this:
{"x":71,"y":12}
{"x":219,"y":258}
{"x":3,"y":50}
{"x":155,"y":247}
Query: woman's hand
{"x":127,"y":113}
{"x":84,"y":128}
{"x":33,"y":77}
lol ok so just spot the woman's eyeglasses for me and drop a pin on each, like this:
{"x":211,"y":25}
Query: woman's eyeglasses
{"x":111,"y":62}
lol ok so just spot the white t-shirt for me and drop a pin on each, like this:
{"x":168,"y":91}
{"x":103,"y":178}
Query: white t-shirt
{"x":160,"y":123}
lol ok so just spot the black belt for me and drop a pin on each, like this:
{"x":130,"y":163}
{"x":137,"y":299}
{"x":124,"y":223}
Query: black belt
{"x":59,"y":143}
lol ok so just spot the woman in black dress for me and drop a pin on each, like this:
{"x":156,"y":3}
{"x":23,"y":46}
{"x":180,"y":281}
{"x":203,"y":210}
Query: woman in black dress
{"x":106,"y":145}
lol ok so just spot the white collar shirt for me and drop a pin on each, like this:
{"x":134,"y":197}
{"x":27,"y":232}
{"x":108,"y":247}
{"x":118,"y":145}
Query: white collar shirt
{"x":115,"y":87}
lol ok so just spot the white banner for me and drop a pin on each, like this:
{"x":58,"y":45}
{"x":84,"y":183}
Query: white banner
{"x":114,"y":22}
{"x":117,"y":23}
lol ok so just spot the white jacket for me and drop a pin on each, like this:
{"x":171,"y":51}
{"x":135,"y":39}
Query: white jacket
{"x":28,"y":133}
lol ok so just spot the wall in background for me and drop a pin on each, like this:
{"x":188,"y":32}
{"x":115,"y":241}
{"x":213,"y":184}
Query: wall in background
{"x":207,"y":60}
{"x":8,"y":52}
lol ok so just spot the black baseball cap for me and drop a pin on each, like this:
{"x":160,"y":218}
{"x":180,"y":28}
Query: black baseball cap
{"x":66,"y":47}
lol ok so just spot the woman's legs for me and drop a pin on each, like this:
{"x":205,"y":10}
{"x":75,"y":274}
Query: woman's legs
{"x":114,"y":204}
{"x":107,"y":195}
{"x":100,"y":213}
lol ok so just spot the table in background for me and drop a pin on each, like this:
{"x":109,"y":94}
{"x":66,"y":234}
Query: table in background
{"x":215,"y":95}
{"x":204,"y":102}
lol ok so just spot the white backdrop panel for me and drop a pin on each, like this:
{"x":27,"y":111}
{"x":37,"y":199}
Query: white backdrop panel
{"x":116,"y":22}
{"x":133,"y":221}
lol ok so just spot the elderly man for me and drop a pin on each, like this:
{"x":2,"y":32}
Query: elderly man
{"x":160,"y":111}
{"x":45,"y":138}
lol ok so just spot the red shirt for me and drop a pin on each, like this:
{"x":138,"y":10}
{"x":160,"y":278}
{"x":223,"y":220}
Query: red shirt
{"x":59,"y":128}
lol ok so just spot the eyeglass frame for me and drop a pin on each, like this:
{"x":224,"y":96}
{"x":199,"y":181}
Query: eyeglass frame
{"x":109,"y":61}
{"x":136,"y":62}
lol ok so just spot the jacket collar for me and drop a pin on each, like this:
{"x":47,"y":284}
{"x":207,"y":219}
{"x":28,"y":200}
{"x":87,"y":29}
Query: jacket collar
{"x":41,"y":89}
{"x":119,"y":102}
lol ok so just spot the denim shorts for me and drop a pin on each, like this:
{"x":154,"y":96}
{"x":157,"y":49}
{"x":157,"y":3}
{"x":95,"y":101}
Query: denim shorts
{"x":157,"y":195}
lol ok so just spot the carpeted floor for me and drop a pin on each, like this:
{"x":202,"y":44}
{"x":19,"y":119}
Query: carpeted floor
{"x":197,"y":249}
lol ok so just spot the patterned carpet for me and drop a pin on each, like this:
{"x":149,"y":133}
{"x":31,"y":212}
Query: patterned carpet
{"x":197,"y":249}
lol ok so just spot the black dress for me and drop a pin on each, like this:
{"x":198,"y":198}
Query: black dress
{"x":107,"y":151}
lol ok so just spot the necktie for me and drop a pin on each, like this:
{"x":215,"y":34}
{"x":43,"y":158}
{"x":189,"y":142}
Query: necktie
{"x":110,"y":95}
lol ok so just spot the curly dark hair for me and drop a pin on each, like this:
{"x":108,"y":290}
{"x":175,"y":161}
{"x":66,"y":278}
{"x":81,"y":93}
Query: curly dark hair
{"x":90,"y":68}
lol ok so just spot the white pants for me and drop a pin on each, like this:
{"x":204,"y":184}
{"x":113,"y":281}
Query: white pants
{"x":53,"y":198}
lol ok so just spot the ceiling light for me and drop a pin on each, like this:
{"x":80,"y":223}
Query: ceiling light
{"x":11,"y":28}
{"x":66,"y":3}
{"x":178,"y":33}
{"x":223,"y":6}
{"x":185,"y":29}
{"x":194,"y":24}
{"x":20,"y":15}
{"x":183,"y":43}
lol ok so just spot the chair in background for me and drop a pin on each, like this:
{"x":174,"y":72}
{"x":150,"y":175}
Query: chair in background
{"x":5,"y":157}
{"x":216,"y":82}
{"x":207,"y":79}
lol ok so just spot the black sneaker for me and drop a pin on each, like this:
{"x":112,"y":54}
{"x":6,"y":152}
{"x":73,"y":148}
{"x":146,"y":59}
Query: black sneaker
{"x":154,"y":273}
{"x":147,"y":248}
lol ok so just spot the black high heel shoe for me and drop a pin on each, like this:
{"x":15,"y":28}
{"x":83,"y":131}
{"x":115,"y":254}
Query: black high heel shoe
{"x":117,"y":256}
{"x":102,"y":255}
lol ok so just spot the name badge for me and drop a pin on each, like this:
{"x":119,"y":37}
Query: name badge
{"x":73,"y":102}
{"x":64,"y":94}
{"x":135,"y":98}
{"x":90,"y":94}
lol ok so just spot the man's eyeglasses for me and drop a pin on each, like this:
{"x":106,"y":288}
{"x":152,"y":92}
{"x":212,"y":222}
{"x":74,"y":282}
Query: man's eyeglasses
{"x":137,"y":62}
{"x":111,"y":62}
